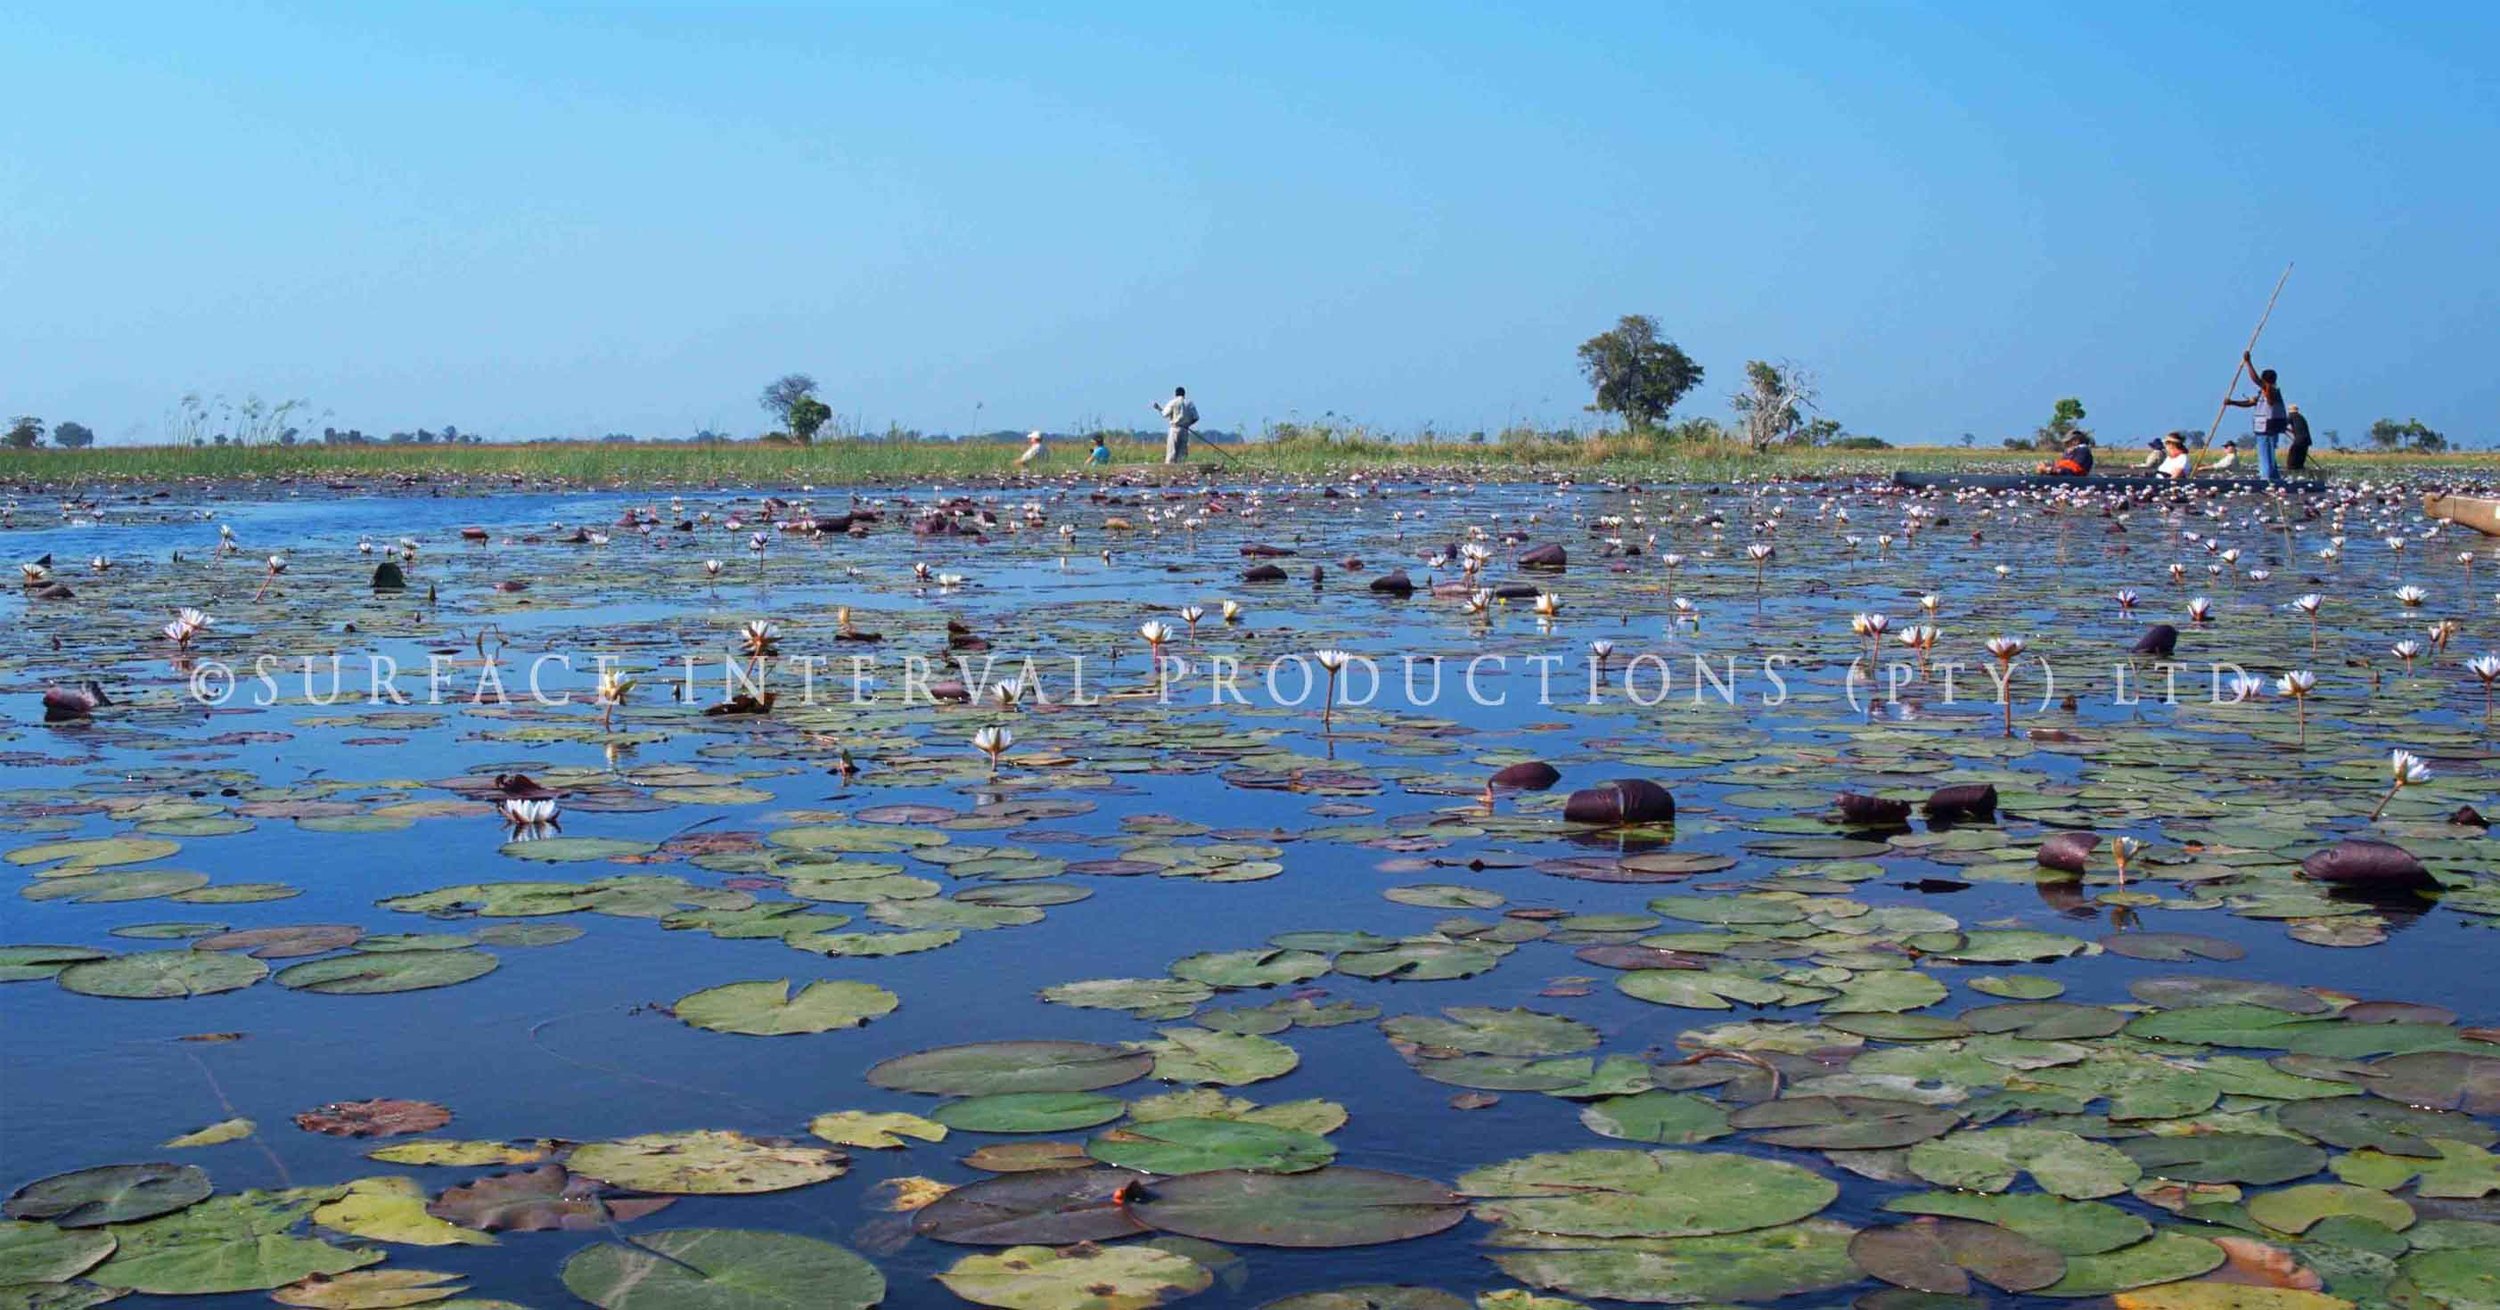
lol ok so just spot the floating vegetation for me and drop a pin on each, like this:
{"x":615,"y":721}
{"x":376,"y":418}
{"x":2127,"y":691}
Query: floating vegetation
{"x":2016,"y":954}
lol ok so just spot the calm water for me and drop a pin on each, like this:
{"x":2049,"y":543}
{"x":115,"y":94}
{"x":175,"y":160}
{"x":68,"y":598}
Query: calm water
{"x":562,"y":1041}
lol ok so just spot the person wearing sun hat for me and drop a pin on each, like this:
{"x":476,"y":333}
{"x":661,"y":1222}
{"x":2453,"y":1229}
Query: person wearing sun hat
{"x":2175,"y":463}
{"x":2077,"y":461}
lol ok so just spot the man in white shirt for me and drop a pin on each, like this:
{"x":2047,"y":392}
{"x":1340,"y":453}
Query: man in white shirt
{"x":1179,"y":416}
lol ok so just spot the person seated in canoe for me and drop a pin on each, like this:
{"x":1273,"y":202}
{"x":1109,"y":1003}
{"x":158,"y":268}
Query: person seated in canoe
{"x":2152,"y":456}
{"x":2226,"y":461}
{"x":1101,"y":453}
{"x":2175,"y":463}
{"x":2077,"y":461}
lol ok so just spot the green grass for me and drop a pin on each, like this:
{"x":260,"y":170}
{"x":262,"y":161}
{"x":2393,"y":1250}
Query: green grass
{"x":858,"y":462}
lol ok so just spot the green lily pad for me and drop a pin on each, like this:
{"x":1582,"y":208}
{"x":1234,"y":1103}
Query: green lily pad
{"x":2161,"y":1258}
{"x":27,"y":963}
{"x":2069,"y":1227}
{"x":1988,"y":1159}
{"x":48,"y":1253}
{"x":1843,"y":1123}
{"x":2297,"y":1209}
{"x":1485,"y":1030}
{"x":1188,"y":1146}
{"x":109,"y":1194}
{"x":238,"y":1243}
{"x":722,"y":1269}
{"x":1029,"y":1112}
{"x":1662,"y":1118}
{"x":1621,"y":1193}
{"x":575,"y":850}
{"x":2225,"y":1157}
{"x":162,"y":975}
{"x":1760,"y":1265}
{"x":360,"y":973}
{"x":767,"y":1009}
{"x":1077,"y":1278}
{"x":1331,"y":1207}
{"x":1196,"y":1056}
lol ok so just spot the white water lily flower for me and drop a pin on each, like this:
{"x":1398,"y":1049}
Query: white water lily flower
{"x":2485,"y":667}
{"x":1870,"y":625}
{"x":2005,"y":648}
{"x":1231,"y":610}
{"x":1190,"y":614}
{"x":2200,"y":609}
{"x":711,"y":568}
{"x":1547,"y":604}
{"x":2411,"y":597}
{"x":2406,"y":769}
{"x":1478,"y":602}
{"x":539,"y":812}
{"x":2308,"y":604}
{"x":2407,"y":650}
{"x":2297,"y":683}
{"x":2246,"y":686}
{"x":34,"y":573}
{"x":1155,"y":631}
{"x":1759,"y":551}
{"x":1601,"y":648}
{"x":920,"y":571}
{"x":993,"y":742}
{"x":759,"y":637}
{"x":1007,"y":695}
{"x":1332,"y":660}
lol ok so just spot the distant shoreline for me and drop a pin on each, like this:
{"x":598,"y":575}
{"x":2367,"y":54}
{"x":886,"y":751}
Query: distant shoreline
{"x":866,"y":463}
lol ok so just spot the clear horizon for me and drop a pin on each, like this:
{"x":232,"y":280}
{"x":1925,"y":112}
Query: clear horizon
{"x":533,"y":222}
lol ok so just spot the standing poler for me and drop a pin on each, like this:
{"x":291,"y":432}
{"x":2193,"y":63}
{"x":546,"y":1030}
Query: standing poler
{"x":2268,"y":417}
{"x":1179,"y":416}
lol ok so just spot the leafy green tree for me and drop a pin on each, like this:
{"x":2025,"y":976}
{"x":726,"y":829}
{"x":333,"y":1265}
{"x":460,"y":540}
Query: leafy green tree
{"x":73,"y":436}
{"x":2412,"y":434}
{"x":25,"y":433}
{"x":1635,"y":375}
{"x":792,"y":399}
{"x":2062,"y":423}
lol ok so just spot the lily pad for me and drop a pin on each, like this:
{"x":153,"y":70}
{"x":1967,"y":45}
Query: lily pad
{"x":703,"y":1162}
{"x":767,"y":1009}
{"x":162,"y":975}
{"x":361,"y":973}
{"x":238,"y":1243}
{"x":1943,"y":1255}
{"x":1029,"y":1112}
{"x":1077,"y":1278}
{"x":48,"y":1253}
{"x":1988,"y":1159}
{"x":1055,"y":1206}
{"x":1761,"y":1265}
{"x":722,"y":1269}
{"x":1620,"y":1193}
{"x":109,"y":1194}
{"x":1188,"y":1146}
{"x":1332,"y":1207}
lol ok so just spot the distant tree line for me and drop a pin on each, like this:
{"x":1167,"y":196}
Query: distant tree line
{"x":1638,"y":376}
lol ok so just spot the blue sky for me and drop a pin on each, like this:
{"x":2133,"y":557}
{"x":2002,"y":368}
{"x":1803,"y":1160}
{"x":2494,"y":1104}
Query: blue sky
{"x":530,"y":221}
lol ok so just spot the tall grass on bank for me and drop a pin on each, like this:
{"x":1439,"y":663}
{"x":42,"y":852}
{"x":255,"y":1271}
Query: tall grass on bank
{"x":1287,"y":450}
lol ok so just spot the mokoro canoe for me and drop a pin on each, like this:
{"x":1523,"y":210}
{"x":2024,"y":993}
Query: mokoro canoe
{"x":2466,"y":512}
{"x":2095,"y":482}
